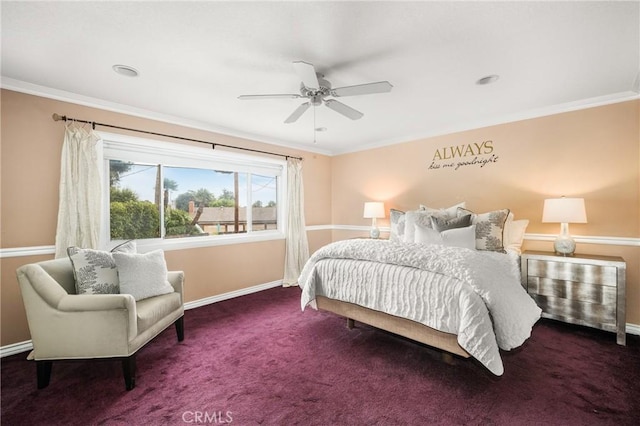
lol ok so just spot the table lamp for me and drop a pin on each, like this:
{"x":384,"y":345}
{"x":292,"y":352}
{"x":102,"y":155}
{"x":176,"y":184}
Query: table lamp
{"x":373,"y":210}
{"x":564,"y":211}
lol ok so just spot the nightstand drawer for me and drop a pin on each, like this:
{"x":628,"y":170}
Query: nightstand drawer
{"x":590,"y":293}
{"x":578,"y":272}
{"x":577,"y":312}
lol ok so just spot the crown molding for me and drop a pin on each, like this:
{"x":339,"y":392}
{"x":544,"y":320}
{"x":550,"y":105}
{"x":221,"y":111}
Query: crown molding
{"x":64,"y":96}
{"x":504,"y":119}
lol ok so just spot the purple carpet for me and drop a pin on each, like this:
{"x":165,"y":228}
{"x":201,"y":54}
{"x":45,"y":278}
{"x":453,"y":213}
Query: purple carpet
{"x":258,"y":360}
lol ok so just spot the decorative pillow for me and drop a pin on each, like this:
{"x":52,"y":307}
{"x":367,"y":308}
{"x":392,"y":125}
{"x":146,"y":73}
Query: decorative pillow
{"x":409,"y":226}
{"x":456,"y":237}
{"x":397,"y":219}
{"x":95,"y":271}
{"x":489,"y":228}
{"x":514,"y":234}
{"x":441,"y":224}
{"x":420,"y":218}
{"x":449,"y":212}
{"x":460,"y":237}
{"x":426,"y":235}
{"x":142,"y":275}
{"x":126,"y":247}
{"x":423,"y":217}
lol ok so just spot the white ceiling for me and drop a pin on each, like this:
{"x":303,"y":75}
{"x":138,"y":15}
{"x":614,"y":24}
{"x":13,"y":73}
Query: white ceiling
{"x":195,"y":58}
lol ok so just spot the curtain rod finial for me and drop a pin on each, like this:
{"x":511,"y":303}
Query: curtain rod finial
{"x":57,"y":117}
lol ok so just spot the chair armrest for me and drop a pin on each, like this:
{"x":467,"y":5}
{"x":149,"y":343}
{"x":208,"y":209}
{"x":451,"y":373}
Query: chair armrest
{"x":97,"y":302}
{"x":87,"y":303}
{"x":176,"y":279}
{"x":43,"y":284}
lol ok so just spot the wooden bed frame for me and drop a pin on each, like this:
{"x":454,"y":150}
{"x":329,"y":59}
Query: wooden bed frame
{"x":447,"y":342}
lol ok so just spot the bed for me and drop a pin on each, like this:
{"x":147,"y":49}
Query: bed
{"x":464,"y":301}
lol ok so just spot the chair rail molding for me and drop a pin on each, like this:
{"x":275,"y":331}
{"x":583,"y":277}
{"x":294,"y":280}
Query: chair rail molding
{"x":583,"y":239}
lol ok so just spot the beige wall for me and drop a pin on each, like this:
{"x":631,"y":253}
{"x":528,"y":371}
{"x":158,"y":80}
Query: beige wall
{"x":30,"y":152}
{"x":592,"y":153}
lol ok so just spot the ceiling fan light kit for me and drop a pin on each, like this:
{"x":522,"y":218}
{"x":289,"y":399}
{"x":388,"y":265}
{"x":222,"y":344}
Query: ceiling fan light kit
{"x":316,"y":89}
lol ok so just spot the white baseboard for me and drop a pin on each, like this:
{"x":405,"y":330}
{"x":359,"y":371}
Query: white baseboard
{"x":16,"y":348}
{"x":231,"y":294}
{"x":633,"y":329}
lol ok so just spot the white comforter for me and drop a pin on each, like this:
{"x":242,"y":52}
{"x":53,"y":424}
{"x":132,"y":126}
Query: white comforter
{"x":474,"y":294}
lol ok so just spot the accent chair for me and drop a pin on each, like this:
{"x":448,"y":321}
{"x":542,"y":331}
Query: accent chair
{"x":65,"y":325}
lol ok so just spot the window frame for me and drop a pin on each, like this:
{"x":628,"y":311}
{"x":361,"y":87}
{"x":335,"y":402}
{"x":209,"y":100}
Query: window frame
{"x":143,"y":150}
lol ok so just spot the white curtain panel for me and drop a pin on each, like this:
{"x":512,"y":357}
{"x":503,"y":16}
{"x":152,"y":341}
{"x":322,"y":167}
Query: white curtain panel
{"x":79,"y":212}
{"x":297,"y":246}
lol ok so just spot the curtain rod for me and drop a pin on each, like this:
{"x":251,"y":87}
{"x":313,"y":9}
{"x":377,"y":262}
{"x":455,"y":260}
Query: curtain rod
{"x":58,"y":117}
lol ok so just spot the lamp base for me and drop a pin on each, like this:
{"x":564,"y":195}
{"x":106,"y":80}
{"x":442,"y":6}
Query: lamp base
{"x":374,"y":233}
{"x":564,"y":245}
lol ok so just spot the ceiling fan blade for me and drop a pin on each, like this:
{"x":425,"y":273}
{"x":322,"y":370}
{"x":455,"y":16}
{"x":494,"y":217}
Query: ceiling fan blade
{"x":362,"y":89}
{"x":341,"y":108}
{"x":283,"y":96}
{"x":307,"y":74}
{"x":297,"y":113}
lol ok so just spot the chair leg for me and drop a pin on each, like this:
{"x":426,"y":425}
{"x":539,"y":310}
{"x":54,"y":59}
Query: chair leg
{"x":180,"y":328}
{"x":43,"y":371}
{"x":129,"y":371}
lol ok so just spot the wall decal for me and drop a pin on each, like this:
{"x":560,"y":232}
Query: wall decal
{"x":473,"y":154}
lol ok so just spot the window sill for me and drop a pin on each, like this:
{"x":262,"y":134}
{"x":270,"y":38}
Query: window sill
{"x":169,"y":244}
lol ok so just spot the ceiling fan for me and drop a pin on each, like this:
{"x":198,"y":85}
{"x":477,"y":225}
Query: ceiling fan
{"x":315,"y":88}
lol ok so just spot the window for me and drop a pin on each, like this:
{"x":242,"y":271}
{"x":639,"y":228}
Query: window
{"x":161,"y":191}
{"x":133,"y":203}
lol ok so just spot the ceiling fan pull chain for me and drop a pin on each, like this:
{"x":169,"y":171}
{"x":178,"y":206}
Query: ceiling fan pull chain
{"x":314,"y":124}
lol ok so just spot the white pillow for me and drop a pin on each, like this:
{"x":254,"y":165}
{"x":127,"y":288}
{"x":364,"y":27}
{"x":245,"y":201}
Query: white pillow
{"x":514,"y":235}
{"x":409,"y":226}
{"x":142,"y":275}
{"x":457,"y":237}
{"x":397,"y":221}
{"x":460,"y":237}
{"x":425,"y":235}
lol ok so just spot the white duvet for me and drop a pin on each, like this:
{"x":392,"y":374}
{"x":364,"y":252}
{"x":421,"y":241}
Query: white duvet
{"x":474,"y":294}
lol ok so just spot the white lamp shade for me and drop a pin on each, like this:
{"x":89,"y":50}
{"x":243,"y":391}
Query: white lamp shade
{"x":373,"y":209}
{"x":564,"y":210}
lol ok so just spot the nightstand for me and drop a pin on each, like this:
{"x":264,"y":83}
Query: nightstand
{"x":581,"y":289}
